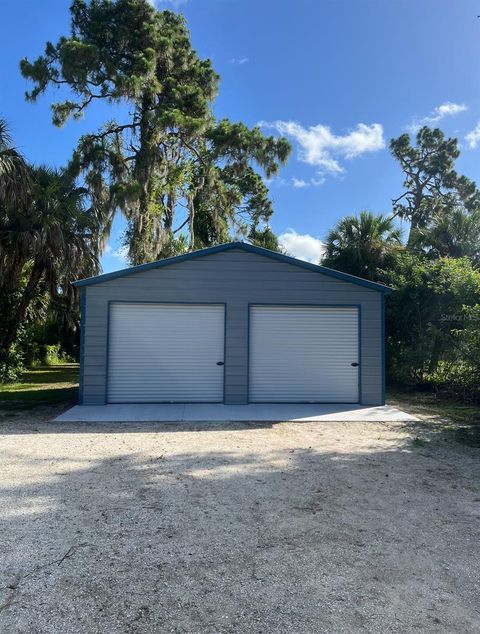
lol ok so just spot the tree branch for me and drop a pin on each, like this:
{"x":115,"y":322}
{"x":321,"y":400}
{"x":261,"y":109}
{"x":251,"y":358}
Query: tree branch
{"x":181,"y":226}
{"x":82,"y":106}
{"x":114,"y":130}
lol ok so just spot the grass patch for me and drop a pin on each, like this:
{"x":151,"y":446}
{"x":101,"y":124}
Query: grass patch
{"x":45,"y":385}
{"x":452,"y":419}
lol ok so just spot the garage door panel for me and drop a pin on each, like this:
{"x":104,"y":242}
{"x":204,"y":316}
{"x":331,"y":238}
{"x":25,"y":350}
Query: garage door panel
{"x":303,"y":354}
{"x":165,"y":353}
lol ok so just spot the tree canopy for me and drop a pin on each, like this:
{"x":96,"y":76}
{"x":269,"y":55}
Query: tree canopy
{"x":184,"y":179}
{"x":432,"y":317}
{"x":425,"y":313}
{"x":363,"y":245}
{"x":13,"y":169}
{"x":47,"y":239}
{"x":168,"y":161}
{"x":433,"y":190}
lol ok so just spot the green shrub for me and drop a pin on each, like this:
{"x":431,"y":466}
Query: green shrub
{"x":457,"y":380}
{"x":53,"y":355}
{"x":428,"y":324}
{"x":11,"y":370}
{"x":463,"y":376}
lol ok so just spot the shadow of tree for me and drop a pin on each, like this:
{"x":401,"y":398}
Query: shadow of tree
{"x":42,"y":385}
{"x":289,"y":529}
{"x":45,"y":375}
{"x":439,"y":430}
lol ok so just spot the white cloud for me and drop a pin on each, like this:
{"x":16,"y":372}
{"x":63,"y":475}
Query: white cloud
{"x":447,"y":109}
{"x":319,"y":146}
{"x":120,"y":254}
{"x":473,"y":137}
{"x":297,"y":183}
{"x":304,"y":247}
{"x":239,"y":60}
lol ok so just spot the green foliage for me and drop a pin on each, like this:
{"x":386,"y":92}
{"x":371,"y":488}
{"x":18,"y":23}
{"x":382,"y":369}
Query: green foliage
{"x":41,"y":386}
{"x":124,"y":49}
{"x":55,"y":356}
{"x":46,"y":241}
{"x":14,"y":178}
{"x":364,"y":245}
{"x":264,"y":238}
{"x":461,"y":377}
{"x":12,"y":365}
{"x":432,"y":326}
{"x":456,"y":235}
{"x":170,"y":155}
{"x":457,"y":379}
{"x":184,"y":180}
{"x":424,"y":314}
{"x":434,"y":192}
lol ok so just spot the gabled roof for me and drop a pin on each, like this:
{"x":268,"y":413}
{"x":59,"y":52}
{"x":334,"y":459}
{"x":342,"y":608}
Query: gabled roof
{"x":345,"y":277}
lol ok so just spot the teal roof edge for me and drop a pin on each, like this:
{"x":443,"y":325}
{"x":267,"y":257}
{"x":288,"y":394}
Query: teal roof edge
{"x":318,"y":268}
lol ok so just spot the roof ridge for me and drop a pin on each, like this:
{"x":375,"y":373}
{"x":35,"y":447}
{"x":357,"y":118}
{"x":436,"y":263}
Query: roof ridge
{"x":227,"y":246}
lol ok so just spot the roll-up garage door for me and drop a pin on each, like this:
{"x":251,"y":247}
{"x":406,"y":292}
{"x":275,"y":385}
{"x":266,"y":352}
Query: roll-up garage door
{"x":165,"y":353}
{"x":304,"y":354}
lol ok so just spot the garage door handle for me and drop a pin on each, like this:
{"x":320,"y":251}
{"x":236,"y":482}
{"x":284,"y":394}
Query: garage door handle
{"x":354,"y":365}
{"x":220,"y":363}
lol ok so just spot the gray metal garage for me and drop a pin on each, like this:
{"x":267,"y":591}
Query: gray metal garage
{"x":231,"y":324}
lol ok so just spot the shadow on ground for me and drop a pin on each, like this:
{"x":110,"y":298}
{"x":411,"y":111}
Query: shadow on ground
{"x":422,"y":433}
{"x":46,"y":385}
{"x":292,"y":528}
{"x":52,"y":374}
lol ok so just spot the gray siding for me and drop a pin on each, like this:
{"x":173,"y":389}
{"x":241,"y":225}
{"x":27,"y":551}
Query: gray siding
{"x":237,"y":278}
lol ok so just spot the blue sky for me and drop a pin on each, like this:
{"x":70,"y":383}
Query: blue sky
{"x":339,"y":77}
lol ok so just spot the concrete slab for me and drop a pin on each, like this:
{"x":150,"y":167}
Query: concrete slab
{"x":218,"y":412}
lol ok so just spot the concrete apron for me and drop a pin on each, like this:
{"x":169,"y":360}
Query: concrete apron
{"x":218,"y":412}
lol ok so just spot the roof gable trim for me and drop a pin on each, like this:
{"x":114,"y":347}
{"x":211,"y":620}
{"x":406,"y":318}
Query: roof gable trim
{"x":317,"y":268}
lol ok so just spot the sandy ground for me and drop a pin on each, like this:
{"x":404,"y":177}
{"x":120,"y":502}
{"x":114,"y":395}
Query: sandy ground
{"x":291,"y":528}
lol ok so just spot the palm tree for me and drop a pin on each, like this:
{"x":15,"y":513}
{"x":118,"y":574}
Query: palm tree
{"x":48,"y":241}
{"x":13,"y":170}
{"x":14,"y":187}
{"x":455,"y":234}
{"x":362,"y":245}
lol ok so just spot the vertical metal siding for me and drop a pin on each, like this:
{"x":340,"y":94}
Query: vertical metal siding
{"x":234,"y":278}
{"x":165,"y":353}
{"x":304,"y":354}
{"x":83,"y":306}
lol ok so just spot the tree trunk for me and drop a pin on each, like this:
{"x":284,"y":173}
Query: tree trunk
{"x":412,"y":232}
{"x":191,"y":222}
{"x":169,"y":214}
{"x":141,"y":242}
{"x":416,"y":214}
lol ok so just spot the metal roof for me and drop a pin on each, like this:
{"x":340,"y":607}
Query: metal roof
{"x":345,"y":277}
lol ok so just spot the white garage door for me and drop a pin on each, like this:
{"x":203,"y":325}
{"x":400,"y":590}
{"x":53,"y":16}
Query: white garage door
{"x":303,"y":354}
{"x":165,"y":353}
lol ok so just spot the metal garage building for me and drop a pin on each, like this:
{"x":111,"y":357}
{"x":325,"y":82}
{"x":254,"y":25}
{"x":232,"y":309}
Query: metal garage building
{"x":233,"y":324}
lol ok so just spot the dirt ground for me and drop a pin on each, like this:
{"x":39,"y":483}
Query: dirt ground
{"x":290,"y":528}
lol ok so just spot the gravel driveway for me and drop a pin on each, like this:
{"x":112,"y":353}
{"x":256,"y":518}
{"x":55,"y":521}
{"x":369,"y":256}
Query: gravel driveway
{"x":291,"y":528}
